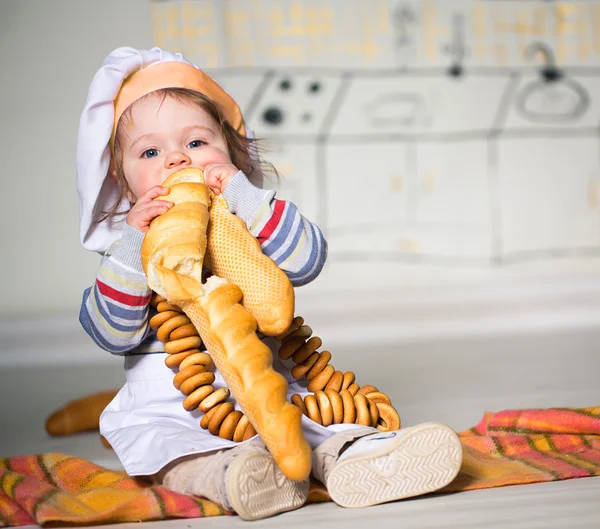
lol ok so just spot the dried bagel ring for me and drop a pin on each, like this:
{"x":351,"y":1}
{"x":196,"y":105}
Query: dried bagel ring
{"x":158,"y":319}
{"x":362,"y":410}
{"x":183,"y":332}
{"x":336,"y":381}
{"x":320,"y":381}
{"x":249,"y":433}
{"x":299,"y":371}
{"x":174,"y":359}
{"x":229,"y":424}
{"x":199,"y":379}
{"x":199,"y":358}
{"x":290,"y":346}
{"x":377,"y":396}
{"x":337,"y":406}
{"x":297,"y":400}
{"x":307,"y":349}
{"x":163,"y":306}
{"x":165,"y":329}
{"x":389,"y":420}
{"x":192,"y":401}
{"x":176,"y":346}
{"x":207,"y":417}
{"x":222,"y":394}
{"x":240,"y":429}
{"x":321,"y":363}
{"x":367,"y":389}
{"x":156,"y":299}
{"x":186,"y":373}
{"x":349,"y":408}
{"x":324,"y":408}
{"x":221,"y":411}
{"x":349,"y":379}
{"x":353,"y":388}
{"x":313,"y":409}
{"x":374,"y":410}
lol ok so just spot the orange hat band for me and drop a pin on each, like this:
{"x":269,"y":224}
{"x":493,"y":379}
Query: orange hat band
{"x":175,"y":75}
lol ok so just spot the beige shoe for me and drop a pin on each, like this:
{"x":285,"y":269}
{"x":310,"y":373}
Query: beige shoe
{"x":256,"y":487}
{"x":244,"y":479}
{"x":383,"y":467}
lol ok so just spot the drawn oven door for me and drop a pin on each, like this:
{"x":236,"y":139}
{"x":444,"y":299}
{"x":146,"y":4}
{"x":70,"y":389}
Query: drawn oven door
{"x":549,"y":191}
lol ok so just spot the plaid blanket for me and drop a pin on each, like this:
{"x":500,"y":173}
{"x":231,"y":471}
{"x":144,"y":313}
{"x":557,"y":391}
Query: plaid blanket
{"x":506,"y":448}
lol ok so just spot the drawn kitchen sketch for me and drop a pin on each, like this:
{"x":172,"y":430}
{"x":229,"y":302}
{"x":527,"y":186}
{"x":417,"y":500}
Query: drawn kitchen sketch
{"x":447,"y":132}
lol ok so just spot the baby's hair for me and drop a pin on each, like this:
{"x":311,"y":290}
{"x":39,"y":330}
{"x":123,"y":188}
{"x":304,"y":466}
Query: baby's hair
{"x":238,"y":145}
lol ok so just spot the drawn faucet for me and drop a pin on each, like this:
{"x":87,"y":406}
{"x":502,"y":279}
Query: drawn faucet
{"x":457,"y":48}
{"x":549,"y":72}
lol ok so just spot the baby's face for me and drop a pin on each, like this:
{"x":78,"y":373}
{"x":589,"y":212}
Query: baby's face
{"x":165,"y":135}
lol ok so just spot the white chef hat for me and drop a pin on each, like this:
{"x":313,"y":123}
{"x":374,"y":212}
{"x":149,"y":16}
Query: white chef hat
{"x":126,"y":75}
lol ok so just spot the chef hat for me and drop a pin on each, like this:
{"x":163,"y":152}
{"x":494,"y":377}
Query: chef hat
{"x":126,"y":75}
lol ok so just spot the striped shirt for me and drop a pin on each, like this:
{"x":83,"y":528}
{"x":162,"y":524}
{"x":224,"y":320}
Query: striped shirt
{"x":115,"y":311}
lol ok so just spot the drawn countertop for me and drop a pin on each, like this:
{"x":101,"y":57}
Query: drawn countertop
{"x":420,"y":105}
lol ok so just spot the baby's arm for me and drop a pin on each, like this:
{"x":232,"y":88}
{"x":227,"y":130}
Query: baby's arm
{"x":114,"y":312}
{"x":295,"y":244}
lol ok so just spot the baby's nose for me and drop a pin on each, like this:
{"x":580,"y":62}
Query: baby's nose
{"x":177,"y":158}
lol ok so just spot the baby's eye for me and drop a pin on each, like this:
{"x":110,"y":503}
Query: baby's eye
{"x":150,"y":153}
{"x":195,"y":143}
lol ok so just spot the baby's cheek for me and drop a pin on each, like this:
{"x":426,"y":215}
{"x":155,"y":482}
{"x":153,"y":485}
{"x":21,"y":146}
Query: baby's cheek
{"x":218,"y":156}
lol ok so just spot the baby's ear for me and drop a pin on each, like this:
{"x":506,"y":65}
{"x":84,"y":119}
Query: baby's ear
{"x":112,"y":173}
{"x":112,"y":170}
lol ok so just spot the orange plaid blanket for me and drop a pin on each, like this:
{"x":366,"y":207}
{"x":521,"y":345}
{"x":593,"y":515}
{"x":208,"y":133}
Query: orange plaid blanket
{"x":506,"y":448}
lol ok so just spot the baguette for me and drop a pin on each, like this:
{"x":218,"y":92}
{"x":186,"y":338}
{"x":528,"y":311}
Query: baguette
{"x":233,"y":253}
{"x":79,"y":415}
{"x":229,"y":333}
{"x":237,"y":256}
{"x":172,"y":255}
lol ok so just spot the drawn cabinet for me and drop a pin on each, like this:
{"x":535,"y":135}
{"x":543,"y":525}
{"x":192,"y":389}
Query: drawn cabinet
{"x":296,"y":164}
{"x":450,"y":203}
{"x":549,"y":200}
{"x":365,"y":193}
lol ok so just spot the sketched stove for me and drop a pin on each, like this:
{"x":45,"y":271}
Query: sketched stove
{"x":290,"y":111}
{"x":427,"y":166}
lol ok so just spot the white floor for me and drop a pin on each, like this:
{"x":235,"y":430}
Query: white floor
{"x":448,"y":373}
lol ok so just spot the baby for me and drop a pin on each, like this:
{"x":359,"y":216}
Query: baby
{"x":148,"y":114}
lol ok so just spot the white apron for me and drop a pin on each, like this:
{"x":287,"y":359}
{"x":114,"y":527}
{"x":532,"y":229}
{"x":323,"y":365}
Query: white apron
{"x":148,"y":427}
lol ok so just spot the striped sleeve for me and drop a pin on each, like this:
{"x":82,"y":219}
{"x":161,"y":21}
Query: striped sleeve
{"x":114,"y":311}
{"x":295,"y":244}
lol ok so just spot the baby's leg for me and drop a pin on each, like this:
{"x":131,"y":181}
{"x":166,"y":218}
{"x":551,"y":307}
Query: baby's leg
{"x":362,"y":468}
{"x":244,"y":479}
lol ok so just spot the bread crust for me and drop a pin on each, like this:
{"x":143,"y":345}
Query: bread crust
{"x":228,"y":314}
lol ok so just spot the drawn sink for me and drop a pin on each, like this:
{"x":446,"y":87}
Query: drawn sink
{"x":406,"y":109}
{"x":553,"y":101}
{"x":553,"y":97}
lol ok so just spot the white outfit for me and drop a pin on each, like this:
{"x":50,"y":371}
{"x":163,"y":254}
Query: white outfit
{"x":148,"y":427}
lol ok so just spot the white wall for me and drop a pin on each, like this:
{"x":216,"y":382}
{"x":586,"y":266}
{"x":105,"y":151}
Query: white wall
{"x":49,"y":52}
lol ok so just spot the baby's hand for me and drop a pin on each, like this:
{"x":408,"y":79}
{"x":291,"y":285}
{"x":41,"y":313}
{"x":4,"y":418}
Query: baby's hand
{"x":146,"y":208}
{"x":218,"y":175}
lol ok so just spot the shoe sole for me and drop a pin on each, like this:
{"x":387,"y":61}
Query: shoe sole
{"x":421,"y":461}
{"x":257,"y":488}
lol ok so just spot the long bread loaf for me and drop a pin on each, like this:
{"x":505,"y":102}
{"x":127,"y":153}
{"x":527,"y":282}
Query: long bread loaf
{"x":172,"y":257}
